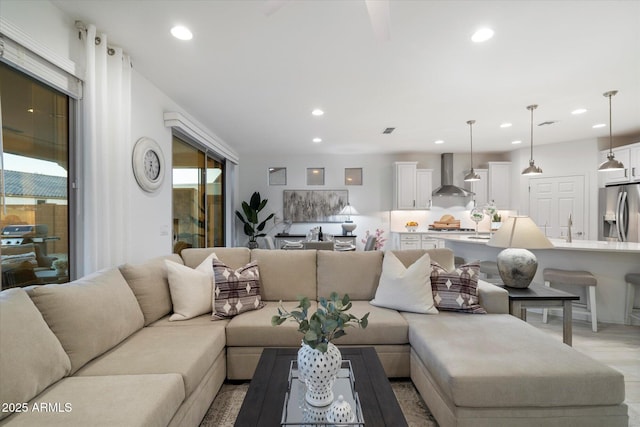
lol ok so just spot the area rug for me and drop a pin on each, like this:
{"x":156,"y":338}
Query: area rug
{"x":225,"y":407}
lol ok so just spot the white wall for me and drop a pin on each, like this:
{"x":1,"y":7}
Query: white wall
{"x":556,"y":160}
{"x":373,"y":199}
{"x":149,"y":217}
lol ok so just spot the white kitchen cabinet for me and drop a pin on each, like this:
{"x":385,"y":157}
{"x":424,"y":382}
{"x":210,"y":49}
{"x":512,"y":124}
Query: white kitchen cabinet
{"x":405,"y":185}
{"x":428,"y":242}
{"x":622,"y":154}
{"x":412,"y":186}
{"x":499,"y":184}
{"x":410,"y":241}
{"x":424,"y":187}
{"x":405,"y":241}
{"x":480,"y":188}
{"x":634,"y":163}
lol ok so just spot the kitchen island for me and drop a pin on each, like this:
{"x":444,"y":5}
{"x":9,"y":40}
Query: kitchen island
{"x":607,"y":261}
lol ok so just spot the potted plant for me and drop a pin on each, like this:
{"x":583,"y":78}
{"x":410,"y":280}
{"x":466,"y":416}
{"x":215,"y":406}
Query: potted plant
{"x":496,"y":221}
{"x":319,"y":360}
{"x":252,"y":227}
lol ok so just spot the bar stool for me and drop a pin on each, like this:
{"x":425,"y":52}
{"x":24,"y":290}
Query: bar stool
{"x":571,"y":277}
{"x":632,"y":279}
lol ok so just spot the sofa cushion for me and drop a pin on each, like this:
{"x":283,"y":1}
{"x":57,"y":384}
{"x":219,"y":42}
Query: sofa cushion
{"x":90,"y":315}
{"x":405,"y":288}
{"x":253,"y":328}
{"x":191,"y":289}
{"x":386,"y":326}
{"x":456,"y":290}
{"x":354,"y":273}
{"x":443,"y":256}
{"x":498,"y":360}
{"x":32,"y":358}
{"x":233,"y":257}
{"x":119,"y":400}
{"x":236,"y":291}
{"x":286,"y":275}
{"x":150,"y":284}
{"x":186,"y":350}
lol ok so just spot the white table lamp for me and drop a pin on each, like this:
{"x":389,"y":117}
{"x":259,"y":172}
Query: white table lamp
{"x":516,"y":264}
{"x":348,"y":226}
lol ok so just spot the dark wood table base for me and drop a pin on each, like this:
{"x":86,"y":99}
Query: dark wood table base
{"x":263,"y":403}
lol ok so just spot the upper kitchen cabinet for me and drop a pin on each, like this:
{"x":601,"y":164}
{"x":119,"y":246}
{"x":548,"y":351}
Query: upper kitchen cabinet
{"x":635,"y":162}
{"x":412,"y":187}
{"x":424,"y":186}
{"x":480,"y":188}
{"x":499,"y":184}
{"x":630,"y":157}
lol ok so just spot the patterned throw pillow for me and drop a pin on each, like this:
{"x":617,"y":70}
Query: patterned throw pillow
{"x":456,"y":290}
{"x":236,"y":291}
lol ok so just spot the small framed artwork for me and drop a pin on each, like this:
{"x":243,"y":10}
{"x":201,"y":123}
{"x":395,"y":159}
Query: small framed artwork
{"x":315,"y":176}
{"x":277,"y":176}
{"x":352,"y":176}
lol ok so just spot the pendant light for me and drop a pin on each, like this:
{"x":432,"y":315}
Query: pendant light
{"x":611,"y":164}
{"x":472,"y":175}
{"x":532,"y":169}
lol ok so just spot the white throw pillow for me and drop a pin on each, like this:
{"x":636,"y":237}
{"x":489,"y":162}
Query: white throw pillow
{"x":191,"y":289}
{"x":405,"y":289}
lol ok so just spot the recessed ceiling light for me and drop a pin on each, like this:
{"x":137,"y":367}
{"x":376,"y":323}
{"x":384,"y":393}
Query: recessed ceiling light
{"x":516,"y":142}
{"x":599,"y":125}
{"x":317,"y":112}
{"x":317,"y":140}
{"x":506,"y":125}
{"x":482,"y":35}
{"x":579,"y":111}
{"x":438,"y":142}
{"x":29,"y":110}
{"x":181,"y":32}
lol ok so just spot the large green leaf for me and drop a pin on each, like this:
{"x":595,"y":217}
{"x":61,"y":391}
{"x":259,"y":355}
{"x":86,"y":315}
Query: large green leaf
{"x":255,"y":201}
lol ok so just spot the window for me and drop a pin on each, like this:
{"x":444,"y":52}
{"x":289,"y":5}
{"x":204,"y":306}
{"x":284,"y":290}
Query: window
{"x":34,"y":219}
{"x":198,"y":197}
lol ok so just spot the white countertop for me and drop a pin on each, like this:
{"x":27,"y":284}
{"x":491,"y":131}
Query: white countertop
{"x":576,"y":245}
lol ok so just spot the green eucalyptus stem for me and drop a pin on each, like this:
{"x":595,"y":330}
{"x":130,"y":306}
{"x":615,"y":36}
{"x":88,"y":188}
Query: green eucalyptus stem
{"x":326,"y":324}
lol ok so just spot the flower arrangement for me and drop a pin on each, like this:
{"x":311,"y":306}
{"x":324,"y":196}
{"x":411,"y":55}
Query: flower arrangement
{"x":326,"y":324}
{"x":379,"y":239}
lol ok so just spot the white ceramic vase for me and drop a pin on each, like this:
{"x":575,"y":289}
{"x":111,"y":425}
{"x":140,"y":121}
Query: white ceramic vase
{"x":318,"y":370}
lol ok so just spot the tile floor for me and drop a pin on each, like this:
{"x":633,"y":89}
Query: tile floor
{"x":615,"y":345}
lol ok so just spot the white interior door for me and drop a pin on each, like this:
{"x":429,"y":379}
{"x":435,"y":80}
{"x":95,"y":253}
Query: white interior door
{"x":553,"y":199}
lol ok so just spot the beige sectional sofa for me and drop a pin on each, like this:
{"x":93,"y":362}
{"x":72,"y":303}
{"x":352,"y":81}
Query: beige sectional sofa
{"x":102,"y":351}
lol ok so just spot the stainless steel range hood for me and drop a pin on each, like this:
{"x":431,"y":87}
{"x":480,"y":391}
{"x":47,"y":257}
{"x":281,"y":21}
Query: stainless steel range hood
{"x":447,"y":188}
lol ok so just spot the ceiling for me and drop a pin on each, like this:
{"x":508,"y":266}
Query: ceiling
{"x":253,"y":78}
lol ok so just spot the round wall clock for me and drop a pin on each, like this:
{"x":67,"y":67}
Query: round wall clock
{"x":148,"y":164}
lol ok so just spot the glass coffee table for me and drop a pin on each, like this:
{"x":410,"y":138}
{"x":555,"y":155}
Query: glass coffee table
{"x":263,"y":405}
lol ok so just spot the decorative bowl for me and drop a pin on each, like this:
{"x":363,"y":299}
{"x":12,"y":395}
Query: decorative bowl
{"x":411,"y":228}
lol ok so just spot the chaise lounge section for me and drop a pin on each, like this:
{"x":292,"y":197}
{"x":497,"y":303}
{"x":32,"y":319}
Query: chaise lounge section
{"x":105,"y":341}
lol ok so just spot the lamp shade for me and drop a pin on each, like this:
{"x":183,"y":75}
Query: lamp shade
{"x":349,"y":210}
{"x":519,"y":232}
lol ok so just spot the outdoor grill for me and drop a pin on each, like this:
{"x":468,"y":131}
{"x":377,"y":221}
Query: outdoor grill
{"x":14,"y":235}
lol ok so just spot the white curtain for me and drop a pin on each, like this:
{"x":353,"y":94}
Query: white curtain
{"x":105,"y":154}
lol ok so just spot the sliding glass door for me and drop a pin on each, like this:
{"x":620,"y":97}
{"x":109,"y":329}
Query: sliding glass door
{"x":198,"y":197}
{"x":34,"y":219}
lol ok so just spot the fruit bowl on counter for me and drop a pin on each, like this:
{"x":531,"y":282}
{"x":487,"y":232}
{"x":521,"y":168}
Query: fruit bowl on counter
{"x":411,"y":226}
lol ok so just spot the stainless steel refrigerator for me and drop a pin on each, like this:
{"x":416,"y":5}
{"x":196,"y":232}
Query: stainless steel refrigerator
{"x":619,"y":213}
